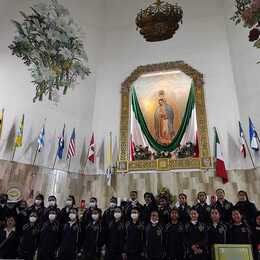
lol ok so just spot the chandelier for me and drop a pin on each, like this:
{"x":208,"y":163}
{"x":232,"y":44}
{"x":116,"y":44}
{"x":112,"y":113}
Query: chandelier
{"x":159,"y":21}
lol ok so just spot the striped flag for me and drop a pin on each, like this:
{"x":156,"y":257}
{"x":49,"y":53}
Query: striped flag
{"x":1,"y":121}
{"x":72,"y":145}
{"x":253,"y":136}
{"x":19,"y":135}
{"x":41,"y":138}
{"x":61,"y":144}
{"x":242,"y":141}
{"x":220,"y":163}
{"x":91,"y":150}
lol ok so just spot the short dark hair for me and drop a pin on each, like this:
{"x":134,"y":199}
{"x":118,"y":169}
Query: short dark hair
{"x":183,"y":194}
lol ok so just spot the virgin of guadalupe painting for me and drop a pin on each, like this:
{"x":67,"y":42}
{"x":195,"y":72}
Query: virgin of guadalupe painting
{"x":163,"y":123}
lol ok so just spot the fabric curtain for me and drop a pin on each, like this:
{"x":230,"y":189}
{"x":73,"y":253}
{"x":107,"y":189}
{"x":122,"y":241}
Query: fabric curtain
{"x":184,"y":124}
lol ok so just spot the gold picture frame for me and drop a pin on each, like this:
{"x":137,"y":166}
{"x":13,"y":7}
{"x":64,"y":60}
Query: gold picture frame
{"x":204,"y":161}
{"x":232,"y":252}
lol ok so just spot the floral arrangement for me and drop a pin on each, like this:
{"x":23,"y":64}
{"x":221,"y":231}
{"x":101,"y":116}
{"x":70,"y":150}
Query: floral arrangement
{"x":49,"y":43}
{"x":248,"y":12}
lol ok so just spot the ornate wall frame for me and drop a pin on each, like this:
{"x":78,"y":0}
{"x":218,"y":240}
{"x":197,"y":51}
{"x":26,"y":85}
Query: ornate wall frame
{"x":203,"y":162}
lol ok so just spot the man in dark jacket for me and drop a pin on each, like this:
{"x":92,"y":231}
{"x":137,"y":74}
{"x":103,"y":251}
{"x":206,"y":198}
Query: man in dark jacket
{"x":4,"y":210}
{"x":184,"y":209}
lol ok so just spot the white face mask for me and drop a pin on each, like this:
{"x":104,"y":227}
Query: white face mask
{"x":32,"y":219}
{"x":154,"y":222}
{"x":51,"y":203}
{"x":92,"y":204}
{"x":72,"y":216}
{"x":95,"y":217}
{"x":38,"y":202}
{"x":112,"y":204}
{"x":69,"y":203}
{"x":117,"y":215}
{"x":52,"y":217}
{"x":134,"y":216}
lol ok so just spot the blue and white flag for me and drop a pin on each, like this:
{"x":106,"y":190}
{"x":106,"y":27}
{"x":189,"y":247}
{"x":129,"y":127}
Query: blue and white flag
{"x":41,"y":139}
{"x":61,"y":144}
{"x":253,"y":136}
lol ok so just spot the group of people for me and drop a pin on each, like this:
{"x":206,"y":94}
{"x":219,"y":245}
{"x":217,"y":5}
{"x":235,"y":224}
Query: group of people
{"x":129,"y":231}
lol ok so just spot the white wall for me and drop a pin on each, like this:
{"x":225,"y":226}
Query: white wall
{"x":207,"y":41}
{"x":201,"y":42}
{"x":246,"y":72}
{"x":75,"y":109}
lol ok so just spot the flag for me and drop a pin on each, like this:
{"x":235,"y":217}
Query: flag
{"x":72,"y":145}
{"x":19,"y":135}
{"x":61,"y":144}
{"x":1,"y":121}
{"x":253,"y":136}
{"x":132,"y":149}
{"x":220,"y":163}
{"x":41,"y":138}
{"x":242,"y":141}
{"x":91,"y":150}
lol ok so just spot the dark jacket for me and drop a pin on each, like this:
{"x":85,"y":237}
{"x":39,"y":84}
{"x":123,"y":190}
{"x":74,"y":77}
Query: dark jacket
{"x":86,"y":217}
{"x":68,"y":248}
{"x":40,"y":213}
{"x":184,"y":213}
{"x":134,"y":238}
{"x":147,"y":210}
{"x":48,"y":241}
{"x":225,"y":210}
{"x":164,"y":215}
{"x":8,"y":245}
{"x":204,"y":212}
{"x":239,"y":234}
{"x":92,"y":239}
{"x":174,"y":241}
{"x":217,"y":234}
{"x":154,"y":241}
{"x":29,"y":241}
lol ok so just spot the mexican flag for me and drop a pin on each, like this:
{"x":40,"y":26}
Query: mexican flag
{"x":220,"y":164}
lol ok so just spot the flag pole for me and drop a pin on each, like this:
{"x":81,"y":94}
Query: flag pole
{"x":13,"y":152}
{"x":55,"y":161}
{"x":69,"y":165}
{"x":251,"y":158}
{"x":35,"y":156}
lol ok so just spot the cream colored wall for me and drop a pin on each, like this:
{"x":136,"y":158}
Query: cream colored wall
{"x":61,"y":183}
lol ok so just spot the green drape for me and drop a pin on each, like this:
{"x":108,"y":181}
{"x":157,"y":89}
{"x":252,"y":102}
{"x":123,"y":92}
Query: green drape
{"x":185,"y":122}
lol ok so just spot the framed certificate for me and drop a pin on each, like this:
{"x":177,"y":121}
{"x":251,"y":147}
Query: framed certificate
{"x":232,"y":252}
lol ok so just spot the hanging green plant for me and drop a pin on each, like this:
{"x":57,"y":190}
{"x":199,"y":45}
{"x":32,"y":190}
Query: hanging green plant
{"x":49,"y":43}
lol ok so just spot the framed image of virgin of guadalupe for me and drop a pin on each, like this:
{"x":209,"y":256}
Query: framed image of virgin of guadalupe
{"x":163,"y":119}
{"x":232,"y":252}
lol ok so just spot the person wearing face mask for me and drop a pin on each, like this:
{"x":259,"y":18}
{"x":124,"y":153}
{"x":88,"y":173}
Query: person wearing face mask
{"x":224,"y":206}
{"x":29,"y":238}
{"x":51,"y":205}
{"x":239,"y":231}
{"x":48,"y":239}
{"x":38,"y":206}
{"x":86,"y":218}
{"x":149,"y":206}
{"x":195,"y":237}
{"x":164,"y":211}
{"x":4,"y":210}
{"x":154,"y":238}
{"x":132,"y":203}
{"x":134,"y":237}
{"x":21,"y":216}
{"x":246,"y":208}
{"x":68,"y":247}
{"x":90,"y":246}
{"x":184,"y":209}
{"x":174,"y":234}
{"x":217,"y":231}
{"x":114,"y":236}
{"x":203,"y":208}
{"x":64,"y":214}
{"x":109,"y":213}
